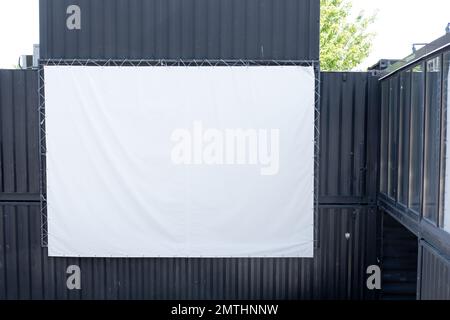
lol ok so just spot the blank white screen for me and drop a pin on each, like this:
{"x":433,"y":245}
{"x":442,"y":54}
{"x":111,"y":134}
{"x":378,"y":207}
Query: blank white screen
{"x":113,"y":189}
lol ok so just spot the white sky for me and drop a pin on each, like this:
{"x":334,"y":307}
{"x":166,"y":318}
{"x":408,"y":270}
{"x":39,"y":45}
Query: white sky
{"x":400,"y":24}
{"x":19,"y":30}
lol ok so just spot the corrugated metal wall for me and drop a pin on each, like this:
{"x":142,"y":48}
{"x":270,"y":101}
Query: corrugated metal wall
{"x":337,"y":272}
{"x":349,"y":139}
{"x":182,"y":29}
{"x":435,"y":274}
{"x":19,"y":145}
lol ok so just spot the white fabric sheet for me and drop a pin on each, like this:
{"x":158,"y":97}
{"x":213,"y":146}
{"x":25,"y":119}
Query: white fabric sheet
{"x":115,"y":188}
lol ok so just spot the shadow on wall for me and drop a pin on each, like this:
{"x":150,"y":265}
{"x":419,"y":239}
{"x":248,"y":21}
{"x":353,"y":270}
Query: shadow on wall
{"x":399,"y":261}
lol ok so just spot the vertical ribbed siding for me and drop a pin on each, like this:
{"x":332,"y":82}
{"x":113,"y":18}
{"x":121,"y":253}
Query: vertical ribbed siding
{"x":337,"y":272}
{"x":435,"y":274}
{"x":19,"y":143}
{"x":341,"y":264}
{"x":182,"y":29}
{"x":349,"y":138}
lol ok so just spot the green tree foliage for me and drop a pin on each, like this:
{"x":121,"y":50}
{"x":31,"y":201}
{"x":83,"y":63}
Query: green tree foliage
{"x":344,"y":41}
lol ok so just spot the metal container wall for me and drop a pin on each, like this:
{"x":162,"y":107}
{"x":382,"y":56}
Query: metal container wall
{"x":349,"y":138}
{"x":182,"y":29}
{"x":19,"y":132}
{"x":412,"y":159}
{"x":435,"y":274}
{"x":337,"y":272}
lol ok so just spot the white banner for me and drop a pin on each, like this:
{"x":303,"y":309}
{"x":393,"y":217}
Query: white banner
{"x":180,"y":161}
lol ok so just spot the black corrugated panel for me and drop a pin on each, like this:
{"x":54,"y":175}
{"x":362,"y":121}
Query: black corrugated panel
{"x":341,"y":263}
{"x":182,"y":29}
{"x":349,"y":138}
{"x":399,"y":261}
{"x":337,"y":272}
{"x":19,"y":131}
{"x":435,"y":274}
